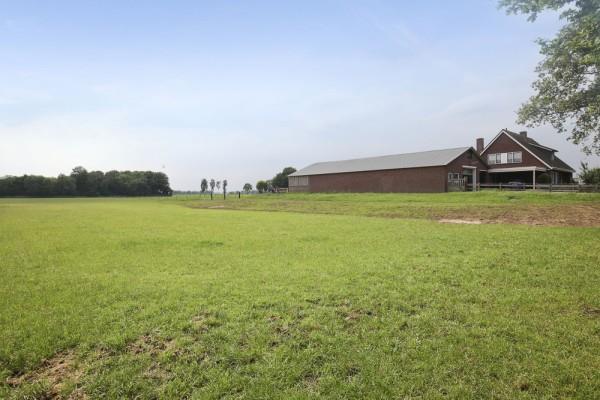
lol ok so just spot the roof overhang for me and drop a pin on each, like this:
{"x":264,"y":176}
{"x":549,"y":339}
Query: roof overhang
{"x":563,"y":170}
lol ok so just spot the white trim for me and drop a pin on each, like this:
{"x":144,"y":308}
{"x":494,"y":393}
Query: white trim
{"x":515,"y":169}
{"x":490,"y":143}
{"x":517,"y":142}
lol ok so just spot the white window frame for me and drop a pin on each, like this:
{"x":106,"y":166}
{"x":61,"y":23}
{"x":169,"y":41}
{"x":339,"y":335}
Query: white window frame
{"x":519,"y":159}
{"x":453,"y":176}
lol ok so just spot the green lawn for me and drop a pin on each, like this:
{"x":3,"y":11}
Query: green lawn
{"x":159,"y":298}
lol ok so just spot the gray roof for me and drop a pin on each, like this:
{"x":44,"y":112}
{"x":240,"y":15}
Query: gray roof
{"x":544,"y":153}
{"x":397,"y":161}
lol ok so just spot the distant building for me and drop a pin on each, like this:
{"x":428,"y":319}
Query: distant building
{"x":509,"y":157}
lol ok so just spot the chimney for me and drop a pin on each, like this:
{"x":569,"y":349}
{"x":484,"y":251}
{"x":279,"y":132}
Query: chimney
{"x":479,"y":145}
{"x":523,"y":134}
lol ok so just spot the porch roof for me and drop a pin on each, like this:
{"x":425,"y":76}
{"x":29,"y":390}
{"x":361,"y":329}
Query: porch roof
{"x":515,"y":169}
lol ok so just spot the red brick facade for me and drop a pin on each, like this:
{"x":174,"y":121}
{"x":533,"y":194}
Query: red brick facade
{"x":406,"y":180}
{"x":427,"y":180}
{"x":505,"y":144}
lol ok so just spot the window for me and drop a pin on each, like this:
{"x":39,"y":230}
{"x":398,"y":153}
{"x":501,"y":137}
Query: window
{"x":495,"y":158}
{"x":512,"y":157}
{"x":517,"y":156}
{"x":453,"y":176}
{"x":298,"y":180}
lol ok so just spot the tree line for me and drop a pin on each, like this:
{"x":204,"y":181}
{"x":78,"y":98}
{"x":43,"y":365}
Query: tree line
{"x":88,"y":183}
{"x":279,"y":181}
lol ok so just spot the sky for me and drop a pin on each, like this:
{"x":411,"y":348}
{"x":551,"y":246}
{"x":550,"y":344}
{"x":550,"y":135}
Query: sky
{"x":238,"y":90}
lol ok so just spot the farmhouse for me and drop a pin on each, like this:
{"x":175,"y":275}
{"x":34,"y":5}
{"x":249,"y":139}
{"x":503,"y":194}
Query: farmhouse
{"x":509,"y":157}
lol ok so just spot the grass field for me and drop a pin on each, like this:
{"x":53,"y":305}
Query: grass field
{"x":349,"y":298}
{"x":536,"y":208}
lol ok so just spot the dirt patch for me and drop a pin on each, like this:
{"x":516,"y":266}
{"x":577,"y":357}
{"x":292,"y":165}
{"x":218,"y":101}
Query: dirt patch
{"x":150,"y":344}
{"x":351,"y":315}
{"x":56,"y":372}
{"x":204,"y":321}
{"x":591,"y":311}
{"x":584,"y":215}
{"x":557,"y":215}
{"x":573,"y":214}
{"x":460,"y":221}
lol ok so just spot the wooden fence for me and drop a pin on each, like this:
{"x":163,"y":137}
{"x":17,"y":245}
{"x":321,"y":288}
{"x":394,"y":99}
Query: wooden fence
{"x":574,"y":187}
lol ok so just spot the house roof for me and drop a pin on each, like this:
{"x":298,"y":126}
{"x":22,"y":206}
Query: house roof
{"x":432,"y":158}
{"x":545,"y":154}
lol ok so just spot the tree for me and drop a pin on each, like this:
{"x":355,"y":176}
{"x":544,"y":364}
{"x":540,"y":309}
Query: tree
{"x":261,"y":186}
{"x":212,"y":187}
{"x":203,"y":185}
{"x":247,"y":187}
{"x":65,"y":186}
{"x":281,"y":179}
{"x":218,"y":185}
{"x":80,"y":175}
{"x":93,"y":183}
{"x":589,"y":176}
{"x":224,"y":188}
{"x":567,"y":92}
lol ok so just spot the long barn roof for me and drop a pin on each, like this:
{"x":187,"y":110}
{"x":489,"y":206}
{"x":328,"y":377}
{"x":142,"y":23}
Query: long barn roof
{"x":432,"y":158}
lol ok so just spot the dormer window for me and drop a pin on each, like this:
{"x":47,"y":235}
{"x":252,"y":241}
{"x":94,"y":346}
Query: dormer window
{"x":512,"y":157}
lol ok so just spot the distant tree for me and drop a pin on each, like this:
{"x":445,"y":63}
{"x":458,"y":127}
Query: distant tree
{"x":80,"y":175}
{"x":212,"y":187}
{"x":93,"y":183}
{"x":247,"y":187}
{"x":261,"y":186}
{"x":567,"y":92}
{"x":203,"y":185}
{"x":65,"y":186}
{"x":37,"y":186}
{"x":589,"y":176}
{"x":224,"y":188}
{"x":281,"y":179}
{"x":218,"y":185}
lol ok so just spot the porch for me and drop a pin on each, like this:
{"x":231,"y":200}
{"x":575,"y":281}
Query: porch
{"x":525,"y":175}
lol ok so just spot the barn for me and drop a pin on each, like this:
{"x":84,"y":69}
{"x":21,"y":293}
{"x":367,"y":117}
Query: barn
{"x":427,"y":171}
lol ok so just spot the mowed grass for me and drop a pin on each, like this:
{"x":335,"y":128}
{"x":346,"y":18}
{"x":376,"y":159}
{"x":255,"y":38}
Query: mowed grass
{"x":148,"y":298}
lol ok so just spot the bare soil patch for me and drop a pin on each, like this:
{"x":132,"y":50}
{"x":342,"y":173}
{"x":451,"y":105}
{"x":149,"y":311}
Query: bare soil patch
{"x":584,"y":215}
{"x":56,"y":372}
{"x":591,"y":311}
{"x":460,"y":221}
